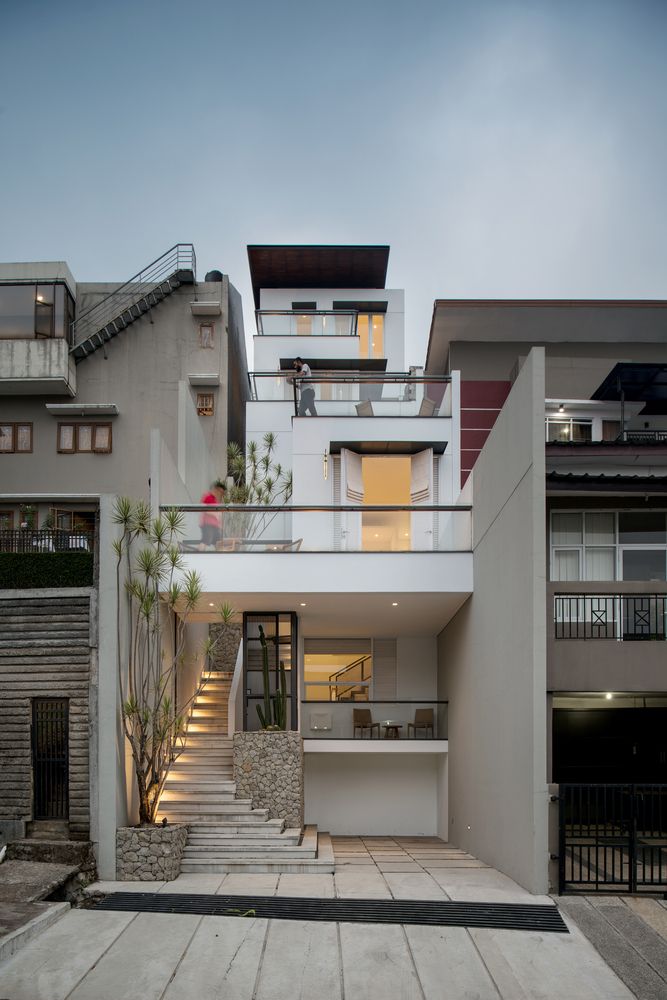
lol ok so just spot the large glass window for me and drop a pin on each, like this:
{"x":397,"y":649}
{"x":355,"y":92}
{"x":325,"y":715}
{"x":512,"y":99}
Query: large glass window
{"x":608,"y":545}
{"x":370,"y":328}
{"x":35,"y":310}
{"x":568,"y":429}
{"x":337,"y":669}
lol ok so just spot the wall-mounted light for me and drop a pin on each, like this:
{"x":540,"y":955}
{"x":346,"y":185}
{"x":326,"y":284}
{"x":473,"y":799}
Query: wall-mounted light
{"x":561,"y":408}
{"x":325,"y":464}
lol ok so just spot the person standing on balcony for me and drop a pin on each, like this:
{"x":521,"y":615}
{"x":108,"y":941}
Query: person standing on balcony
{"x":307,"y":397}
{"x":210,"y":522}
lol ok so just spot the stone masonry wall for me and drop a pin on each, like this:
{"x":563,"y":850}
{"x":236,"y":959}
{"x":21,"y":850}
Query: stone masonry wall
{"x":149,"y":853}
{"x":268,"y":768}
{"x":45,"y":652}
{"x":227,"y":640}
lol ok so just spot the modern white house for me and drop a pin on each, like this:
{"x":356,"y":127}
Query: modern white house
{"x":357,"y":575}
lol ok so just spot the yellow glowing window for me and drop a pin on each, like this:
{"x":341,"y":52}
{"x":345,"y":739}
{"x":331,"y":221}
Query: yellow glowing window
{"x":370,"y":327}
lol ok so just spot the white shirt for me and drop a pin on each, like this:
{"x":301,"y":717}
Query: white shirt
{"x":305,"y":371}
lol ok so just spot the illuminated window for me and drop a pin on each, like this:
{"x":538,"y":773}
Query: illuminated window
{"x":84,"y":438}
{"x":205,"y":404}
{"x":370,"y":328}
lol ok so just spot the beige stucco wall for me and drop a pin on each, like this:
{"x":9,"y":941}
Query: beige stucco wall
{"x":492,"y":655}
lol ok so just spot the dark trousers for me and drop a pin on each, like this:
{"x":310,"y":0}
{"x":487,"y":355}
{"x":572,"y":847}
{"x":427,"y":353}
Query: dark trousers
{"x":307,"y":403}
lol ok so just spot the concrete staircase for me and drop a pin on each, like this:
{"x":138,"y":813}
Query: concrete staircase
{"x":225,"y":833}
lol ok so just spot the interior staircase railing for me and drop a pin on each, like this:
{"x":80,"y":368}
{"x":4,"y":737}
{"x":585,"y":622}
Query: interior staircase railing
{"x":335,"y":692}
{"x":178,"y":259}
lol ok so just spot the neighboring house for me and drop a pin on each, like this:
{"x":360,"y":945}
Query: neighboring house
{"x":357,"y":577}
{"x":550,"y":678}
{"x":105,"y":389}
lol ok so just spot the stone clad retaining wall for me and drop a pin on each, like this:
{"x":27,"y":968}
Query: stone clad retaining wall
{"x":268,"y":768}
{"x":227,"y":640}
{"x":149,"y":853}
{"x":47,"y":640}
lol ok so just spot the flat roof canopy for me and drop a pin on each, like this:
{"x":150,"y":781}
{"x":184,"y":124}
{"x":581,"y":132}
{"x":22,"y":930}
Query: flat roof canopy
{"x":317,"y":267}
{"x":637,"y":382}
{"x":535,"y":322}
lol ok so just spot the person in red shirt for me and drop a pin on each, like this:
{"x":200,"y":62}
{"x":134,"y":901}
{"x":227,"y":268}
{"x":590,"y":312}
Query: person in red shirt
{"x":210,"y":522}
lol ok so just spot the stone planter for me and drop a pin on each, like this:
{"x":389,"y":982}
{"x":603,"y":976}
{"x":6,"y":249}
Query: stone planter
{"x":149,"y":853}
{"x":268,"y":768}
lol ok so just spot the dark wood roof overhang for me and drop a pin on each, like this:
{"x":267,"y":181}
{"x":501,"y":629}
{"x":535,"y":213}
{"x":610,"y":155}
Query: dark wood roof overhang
{"x":317,"y":267}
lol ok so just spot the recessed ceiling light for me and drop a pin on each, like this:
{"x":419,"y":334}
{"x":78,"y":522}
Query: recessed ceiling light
{"x":211,"y":605}
{"x":394,"y":604}
{"x":303,"y":604}
{"x":609,"y":696}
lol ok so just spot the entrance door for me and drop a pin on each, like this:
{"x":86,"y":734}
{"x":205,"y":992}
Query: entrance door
{"x":352,"y":492}
{"x":421,"y":492}
{"x":50,"y":758}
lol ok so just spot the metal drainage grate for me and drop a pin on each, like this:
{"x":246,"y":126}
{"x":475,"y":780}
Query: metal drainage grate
{"x":509,"y":916}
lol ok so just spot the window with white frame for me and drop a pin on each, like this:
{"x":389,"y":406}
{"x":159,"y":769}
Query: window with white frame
{"x":562,"y":428}
{"x":608,"y":545}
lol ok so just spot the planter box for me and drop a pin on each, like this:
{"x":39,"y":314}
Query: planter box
{"x":149,"y":853}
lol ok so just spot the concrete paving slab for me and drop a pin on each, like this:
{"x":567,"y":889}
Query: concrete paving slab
{"x":102,"y":888}
{"x":484,"y":885}
{"x":249,"y":884}
{"x":21,"y":922}
{"x":448,"y":964}
{"x":637,"y":932}
{"x":399,"y":866}
{"x":141,"y":960}
{"x":546,"y":966}
{"x":300,"y":962}
{"x":315,"y":886}
{"x":222,"y":961}
{"x":366,"y":862}
{"x":359,"y":883}
{"x":653,"y":911}
{"x":618,"y":953}
{"x":453,"y":863}
{"x":49,"y":967}
{"x":191,"y":883}
{"x":377,"y":964}
{"x":413,"y":885}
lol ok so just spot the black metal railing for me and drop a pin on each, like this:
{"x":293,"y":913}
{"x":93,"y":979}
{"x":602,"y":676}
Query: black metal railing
{"x":628,"y":617}
{"x":612,"y":838}
{"x":46,"y":540}
{"x":351,"y":682}
{"x":50,"y":758}
{"x":180,"y":257}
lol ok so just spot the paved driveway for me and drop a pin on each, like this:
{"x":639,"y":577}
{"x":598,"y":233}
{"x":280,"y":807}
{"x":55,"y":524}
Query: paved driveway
{"x":91,"y":955}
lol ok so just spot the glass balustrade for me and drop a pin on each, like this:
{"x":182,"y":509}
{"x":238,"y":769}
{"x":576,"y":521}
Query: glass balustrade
{"x":337,"y":395}
{"x":310,"y":323}
{"x":364,"y":528}
{"x":374,"y":720}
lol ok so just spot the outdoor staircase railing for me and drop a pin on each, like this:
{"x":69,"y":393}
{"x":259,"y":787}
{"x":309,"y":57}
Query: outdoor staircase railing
{"x":135,"y":297}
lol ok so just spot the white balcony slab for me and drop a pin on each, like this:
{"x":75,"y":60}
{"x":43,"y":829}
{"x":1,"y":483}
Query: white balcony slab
{"x":376,"y":746}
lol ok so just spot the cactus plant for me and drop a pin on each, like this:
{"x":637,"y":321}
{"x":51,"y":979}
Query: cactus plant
{"x":273,"y":716}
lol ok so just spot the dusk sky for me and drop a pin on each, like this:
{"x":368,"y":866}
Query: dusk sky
{"x":502,"y":149}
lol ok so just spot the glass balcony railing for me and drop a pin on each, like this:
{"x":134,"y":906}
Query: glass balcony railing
{"x":311,"y":323}
{"x":374,"y":720}
{"x":367,"y":528}
{"x":337,"y":395}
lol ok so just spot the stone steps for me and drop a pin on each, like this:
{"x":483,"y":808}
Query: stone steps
{"x":314,"y":856}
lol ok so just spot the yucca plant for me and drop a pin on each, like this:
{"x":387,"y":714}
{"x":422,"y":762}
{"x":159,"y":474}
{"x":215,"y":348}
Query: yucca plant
{"x":256,"y":481}
{"x":153,"y":609}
